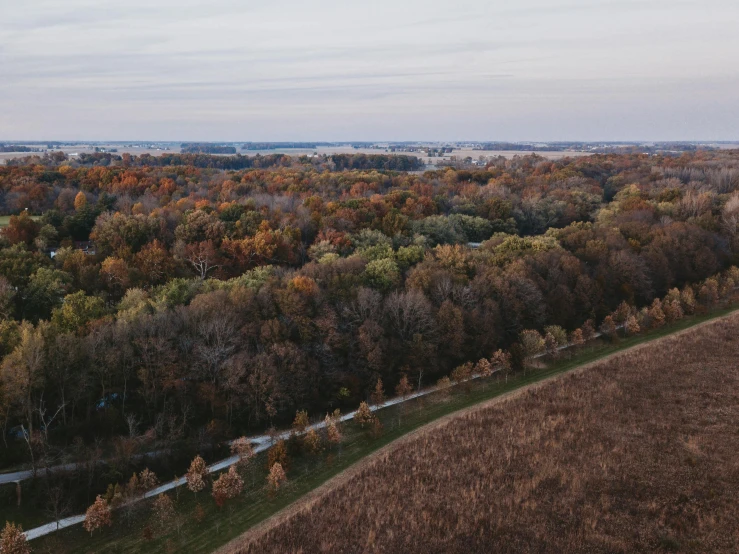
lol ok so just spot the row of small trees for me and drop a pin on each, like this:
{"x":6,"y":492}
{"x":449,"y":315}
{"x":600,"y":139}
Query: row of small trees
{"x":225,"y":489}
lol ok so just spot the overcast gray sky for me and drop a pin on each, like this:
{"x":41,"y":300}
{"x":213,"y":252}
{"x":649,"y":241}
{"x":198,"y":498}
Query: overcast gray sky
{"x":230,"y":70}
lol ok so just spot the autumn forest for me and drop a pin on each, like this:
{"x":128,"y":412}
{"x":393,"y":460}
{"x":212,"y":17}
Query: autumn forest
{"x":190,"y":299}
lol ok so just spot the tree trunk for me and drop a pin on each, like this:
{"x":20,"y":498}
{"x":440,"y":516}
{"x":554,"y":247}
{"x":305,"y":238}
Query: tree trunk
{"x":64,"y":408}
{"x":125,"y":389}
{"x":29,"y":413}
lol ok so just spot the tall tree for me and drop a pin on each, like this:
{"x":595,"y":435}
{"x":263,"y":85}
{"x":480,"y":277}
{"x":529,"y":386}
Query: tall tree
{"x":22,"y":371}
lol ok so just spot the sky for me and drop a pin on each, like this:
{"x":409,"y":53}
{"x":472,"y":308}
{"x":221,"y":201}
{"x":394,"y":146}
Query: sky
{"x":335,"y":70}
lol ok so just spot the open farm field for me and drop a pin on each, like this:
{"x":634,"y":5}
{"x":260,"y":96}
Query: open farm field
{"x":636,"y":454}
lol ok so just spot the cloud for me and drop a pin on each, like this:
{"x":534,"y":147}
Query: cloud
{"x":482,"y":69}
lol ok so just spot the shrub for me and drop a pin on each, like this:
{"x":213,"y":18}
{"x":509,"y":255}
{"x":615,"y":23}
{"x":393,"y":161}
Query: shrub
{"x":276,"y":477}
{"x":197,"y":475}
{"x":363,"y":416}
{"x":98,"y":515}
{"x":13,"y":541}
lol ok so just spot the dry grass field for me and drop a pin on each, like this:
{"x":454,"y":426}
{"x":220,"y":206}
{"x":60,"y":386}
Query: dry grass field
{"x":637,"y":453}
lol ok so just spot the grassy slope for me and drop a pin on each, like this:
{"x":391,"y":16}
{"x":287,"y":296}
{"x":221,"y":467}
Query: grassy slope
{"x":254,"y":506}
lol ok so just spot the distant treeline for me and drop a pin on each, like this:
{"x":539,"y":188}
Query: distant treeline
{"x":656,"y":148}
{"x":517,"y":147}
{"x":375,"y":161}
{"x":276,"y":145}
{"x":16,"y":148}
{"x":602,"y":148}
{"x":207,"y":149}
{"x":334,"y":162}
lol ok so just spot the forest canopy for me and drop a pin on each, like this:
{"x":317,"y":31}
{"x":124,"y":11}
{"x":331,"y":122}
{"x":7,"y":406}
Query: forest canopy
{"x":194,"y":291}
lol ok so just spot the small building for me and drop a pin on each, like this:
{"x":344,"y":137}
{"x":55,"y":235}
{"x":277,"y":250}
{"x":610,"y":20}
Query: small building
{"x":87,"y":246}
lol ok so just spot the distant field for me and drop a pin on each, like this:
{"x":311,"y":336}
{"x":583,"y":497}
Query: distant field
{"x":636,"y":454}
{"x":328,"y":150}
{"x":459,"y":153}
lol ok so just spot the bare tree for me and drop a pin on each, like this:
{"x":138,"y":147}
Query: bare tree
{"x":46,"y":422}
{"x":58,"y":503}
{"x":31,"y":442}
{"x":409,"y":314}
{"x":366,"y":306}
{"x":66,"y":369}
{"x":202,"y":256}
{"x":132,"y":421}
{"x":217,"y":336}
